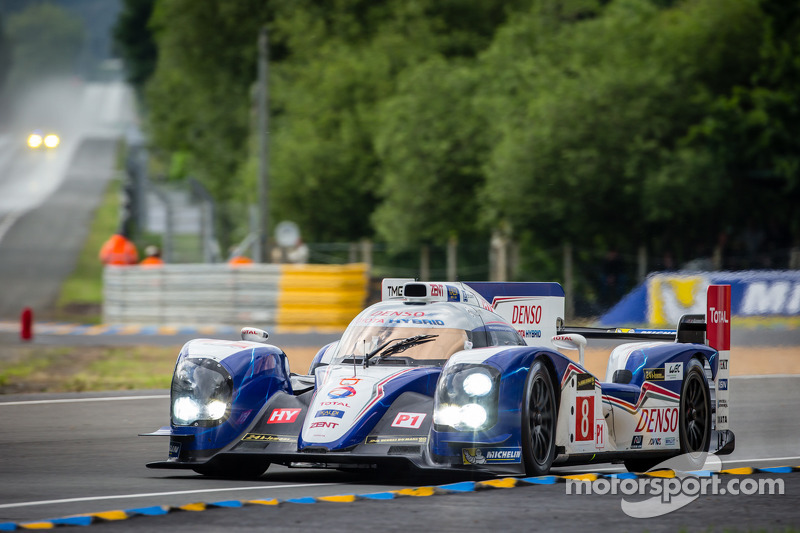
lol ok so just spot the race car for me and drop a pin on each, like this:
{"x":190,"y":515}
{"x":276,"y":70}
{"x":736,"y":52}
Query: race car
{"x":37,"y":139}
{"x":455,"y":376}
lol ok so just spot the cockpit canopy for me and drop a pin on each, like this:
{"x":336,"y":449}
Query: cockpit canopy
{"x":395,"y":332}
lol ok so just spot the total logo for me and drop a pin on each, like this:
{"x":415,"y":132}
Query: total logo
{"x":341,"y":392}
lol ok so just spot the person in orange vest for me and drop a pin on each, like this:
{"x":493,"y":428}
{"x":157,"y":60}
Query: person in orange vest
{"x":118,"y":250}
{"x":237,"y":258}
{"x":153,"y":256}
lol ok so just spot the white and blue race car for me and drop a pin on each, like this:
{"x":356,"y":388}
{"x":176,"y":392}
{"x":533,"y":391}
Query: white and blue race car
{"x":457,"y":376}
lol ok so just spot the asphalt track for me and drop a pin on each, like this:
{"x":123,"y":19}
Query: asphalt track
{"x":75,"y":454}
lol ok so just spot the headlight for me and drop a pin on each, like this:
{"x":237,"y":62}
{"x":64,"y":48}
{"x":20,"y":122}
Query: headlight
{"x":466,"y":398}
{"x":201,"y":393}
{"x":34,"y":140}
{"x":51,"y":140}
{"x":477,"y":384}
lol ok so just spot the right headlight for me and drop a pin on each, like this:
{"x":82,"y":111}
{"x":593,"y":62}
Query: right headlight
{"x":201,"y":393}
{"x":466,"y":398}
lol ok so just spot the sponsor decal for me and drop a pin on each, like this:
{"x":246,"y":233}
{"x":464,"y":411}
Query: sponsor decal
{"x":419,"y":321}
{"x":723,"y":364}
{"x":390,"y":439}
{"x":346,"y":382}
{"x":452,"y":294}
{"x":399,"y":314}
{"x":283,"y":416}
{"x":636,"y":442}
{"x":260,"y":437}
{"x":341,"y":392}
{"x":669,"y":441}
{"x":526,"y":314}
{"x":330,"y":425}
{"x":722,"y":419}
{"x":481,"y":456}
{"x":655,"y":441}
{"x":585,"y":381}
{"x":723,"y":384}
{"x":333,"y":413}
{"x":174,"y":449}
{"x":658,"y":420}
{"x":654,"y":374}
{"x":584,"y":419}
{"x":335,"y":404}
{"x":674,"y":371}
{"x":437,"y":290}
{"x":722,"y":403}
{"x":408,"y":420}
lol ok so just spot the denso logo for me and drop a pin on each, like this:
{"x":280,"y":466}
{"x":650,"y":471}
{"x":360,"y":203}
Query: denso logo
{"x":407,"y":314}
{"x":717,"y":317}
{"x":658,"y":420}
{"x":526,"y":314}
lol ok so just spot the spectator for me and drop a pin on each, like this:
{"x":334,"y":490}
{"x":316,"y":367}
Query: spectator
{"x":153,"y":256}
{"x":119,"y":250}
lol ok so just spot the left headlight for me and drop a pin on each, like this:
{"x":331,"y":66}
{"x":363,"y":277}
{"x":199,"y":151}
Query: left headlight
{"x":201,"y":393}
{"x":466,"y":398}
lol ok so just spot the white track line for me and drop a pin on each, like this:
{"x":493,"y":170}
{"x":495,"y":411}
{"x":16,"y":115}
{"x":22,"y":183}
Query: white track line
{"x":76,"y":400}
{"x":153,"y":494}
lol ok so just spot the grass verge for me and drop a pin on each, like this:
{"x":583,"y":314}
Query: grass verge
{"x":25,"y":369}
{"x":81,"y":294}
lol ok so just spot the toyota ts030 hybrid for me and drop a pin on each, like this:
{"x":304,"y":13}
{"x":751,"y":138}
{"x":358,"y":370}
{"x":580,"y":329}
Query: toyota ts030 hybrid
{"x":435,"y":376}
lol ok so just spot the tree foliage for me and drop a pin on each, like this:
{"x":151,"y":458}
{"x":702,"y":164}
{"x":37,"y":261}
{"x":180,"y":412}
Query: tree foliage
{"x":607,"y":123}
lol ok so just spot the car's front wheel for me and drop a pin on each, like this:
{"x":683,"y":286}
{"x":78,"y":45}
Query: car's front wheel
{"x":539,"y":415}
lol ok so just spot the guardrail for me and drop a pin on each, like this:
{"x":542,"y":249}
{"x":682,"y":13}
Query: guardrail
{"x":288,"y":296}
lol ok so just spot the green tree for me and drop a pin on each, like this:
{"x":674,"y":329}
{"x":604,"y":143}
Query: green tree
{"x":134,"y":42}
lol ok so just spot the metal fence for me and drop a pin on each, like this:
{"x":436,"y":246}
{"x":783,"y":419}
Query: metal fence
{"x":289,"y":296}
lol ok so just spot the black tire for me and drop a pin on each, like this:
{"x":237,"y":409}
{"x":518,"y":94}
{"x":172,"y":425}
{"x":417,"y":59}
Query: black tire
{"x":539,"y":418}
{"x":695,"y":411}
{"x":234,"y":467}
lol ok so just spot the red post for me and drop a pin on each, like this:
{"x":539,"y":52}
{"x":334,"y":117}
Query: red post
{"x":26,"y":324}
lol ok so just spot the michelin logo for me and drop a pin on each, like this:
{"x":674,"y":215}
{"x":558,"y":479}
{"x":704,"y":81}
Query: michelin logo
{"x":478,"y":456}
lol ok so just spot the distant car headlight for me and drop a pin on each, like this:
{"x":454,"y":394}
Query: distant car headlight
{"x":466,"y":398}
{"x":201,"y":392}
{"x":51,"y":140}
{"x":35,"y":140}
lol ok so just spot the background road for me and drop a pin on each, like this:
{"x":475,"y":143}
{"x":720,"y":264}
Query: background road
{"x":82,"y":455}
{"x":47,"y":198}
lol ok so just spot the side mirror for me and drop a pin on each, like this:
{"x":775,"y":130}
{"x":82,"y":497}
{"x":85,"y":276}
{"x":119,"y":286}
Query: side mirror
{"x":254,"y":335}
{"x":571,"y":341}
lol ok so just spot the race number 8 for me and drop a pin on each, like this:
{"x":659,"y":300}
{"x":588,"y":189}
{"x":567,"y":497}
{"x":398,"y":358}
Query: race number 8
{"x":584,"y":427}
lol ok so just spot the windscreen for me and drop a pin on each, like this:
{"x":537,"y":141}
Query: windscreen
{"x":420,"y":345}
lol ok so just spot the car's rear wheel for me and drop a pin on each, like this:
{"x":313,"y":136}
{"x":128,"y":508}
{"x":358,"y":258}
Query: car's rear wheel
{"x":695,"y":413}
{"x":539,"y":415}
{"x":234,"y":467}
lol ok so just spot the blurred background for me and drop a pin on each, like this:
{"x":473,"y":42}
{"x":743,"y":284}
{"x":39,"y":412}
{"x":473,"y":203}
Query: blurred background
{"x":590,"y":142}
